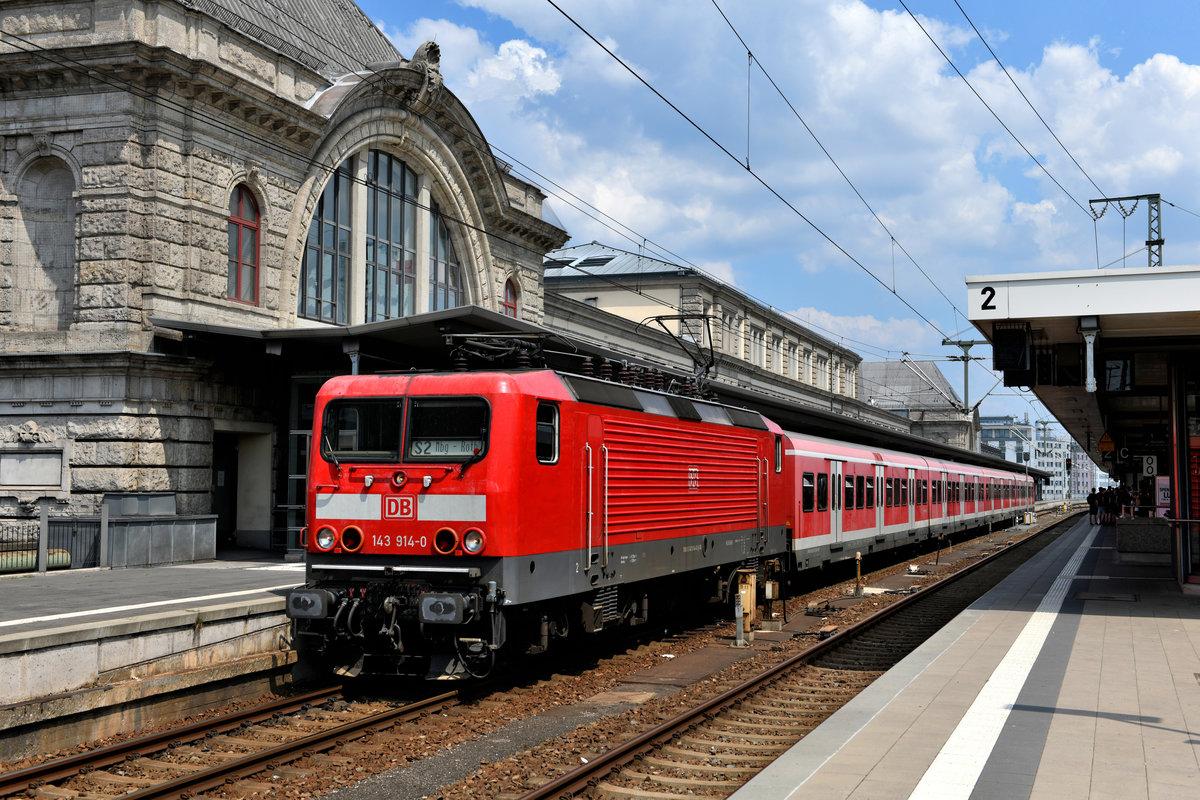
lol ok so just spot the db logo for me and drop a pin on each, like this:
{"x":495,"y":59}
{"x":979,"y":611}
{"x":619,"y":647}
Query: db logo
{"x":398,"y":507}
{"x":693,"y":479}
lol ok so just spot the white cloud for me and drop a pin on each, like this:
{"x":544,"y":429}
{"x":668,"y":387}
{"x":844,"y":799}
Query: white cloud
{"x":518,"y":69}
{"x":895,"y":335}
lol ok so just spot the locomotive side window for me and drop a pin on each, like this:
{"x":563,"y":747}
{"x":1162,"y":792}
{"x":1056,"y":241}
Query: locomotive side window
{"x":447,"y":428}
{"x":547,"y":433}
{"x":362,"y":430}
{"x":778,"y":453}
{"x":807,"y":493}
{"x":822,"y":491}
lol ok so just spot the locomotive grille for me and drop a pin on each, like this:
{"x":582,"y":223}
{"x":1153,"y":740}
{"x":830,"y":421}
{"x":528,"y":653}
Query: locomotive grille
{"x":608,"y":603}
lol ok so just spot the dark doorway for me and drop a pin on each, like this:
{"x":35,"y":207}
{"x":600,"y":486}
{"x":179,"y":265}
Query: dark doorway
{"x":224,"y":486}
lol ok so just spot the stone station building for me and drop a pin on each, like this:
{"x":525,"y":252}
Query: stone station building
{"x":178,"y":170}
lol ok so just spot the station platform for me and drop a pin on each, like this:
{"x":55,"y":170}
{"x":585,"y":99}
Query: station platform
{"x":35,"y":603}
{"x":112,"y":641}
{"x":1077,"y":677}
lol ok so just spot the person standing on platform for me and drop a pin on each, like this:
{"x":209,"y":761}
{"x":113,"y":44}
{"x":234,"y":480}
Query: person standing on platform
{"x":1091,"y":501}
{"x":1123,"y":500}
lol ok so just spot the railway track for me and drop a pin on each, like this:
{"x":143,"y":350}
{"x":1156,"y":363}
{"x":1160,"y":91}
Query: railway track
{"x":226,"y":751}
{"x":254,"y":750}
{"x":714,"y":748}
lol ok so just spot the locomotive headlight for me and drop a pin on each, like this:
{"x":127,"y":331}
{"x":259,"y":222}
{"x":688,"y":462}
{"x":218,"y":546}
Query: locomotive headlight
{"x":473,"y":541}
{"x":326,"y":538}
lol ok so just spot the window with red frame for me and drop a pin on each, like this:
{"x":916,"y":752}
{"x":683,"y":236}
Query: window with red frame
{"x":509,"y":306}
{"x":243,"y":246}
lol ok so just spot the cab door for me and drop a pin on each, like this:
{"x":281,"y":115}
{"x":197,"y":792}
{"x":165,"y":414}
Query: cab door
{"x":595,"y":501}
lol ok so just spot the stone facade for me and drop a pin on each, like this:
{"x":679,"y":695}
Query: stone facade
{"x":127,"y":130}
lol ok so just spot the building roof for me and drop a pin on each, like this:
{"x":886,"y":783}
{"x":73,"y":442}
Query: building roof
{"x":331,"y":38}
{"x":911,"y":385}
{"x":594,"y":262}
{"x":594,"y":259}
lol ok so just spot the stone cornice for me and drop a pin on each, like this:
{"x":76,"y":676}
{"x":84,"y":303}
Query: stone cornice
{"x":158,"y":74}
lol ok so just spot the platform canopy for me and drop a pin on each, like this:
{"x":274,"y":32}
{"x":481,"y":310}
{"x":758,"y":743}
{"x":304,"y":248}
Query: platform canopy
{"x":1097,"y":347}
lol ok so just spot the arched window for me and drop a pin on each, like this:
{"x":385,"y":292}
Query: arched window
{"x":243,"y":246}
{"x":509,"y":305}
{"x":445,"y":274}
{"x":364,"y":260}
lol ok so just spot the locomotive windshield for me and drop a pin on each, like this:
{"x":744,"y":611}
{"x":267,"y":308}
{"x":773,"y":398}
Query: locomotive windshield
{"x":454,"y":428}
{"x":362,"y":430}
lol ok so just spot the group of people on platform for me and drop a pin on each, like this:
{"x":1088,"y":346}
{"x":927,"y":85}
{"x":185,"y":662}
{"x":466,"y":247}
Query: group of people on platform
{"x":1109,"y":503}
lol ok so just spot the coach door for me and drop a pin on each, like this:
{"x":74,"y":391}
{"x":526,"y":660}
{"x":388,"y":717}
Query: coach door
{"x":942,"y":494}
{"x":595,"y":501}
{"x":913,"y":490}
{"x":835,"y":500}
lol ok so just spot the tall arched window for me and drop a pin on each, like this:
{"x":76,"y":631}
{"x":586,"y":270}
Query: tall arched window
{"x":326,"y":269}
{"x":445,"y":274}
{"x":509,"y":305}
{"x":243,"y":246}
{"x":391,"y":237}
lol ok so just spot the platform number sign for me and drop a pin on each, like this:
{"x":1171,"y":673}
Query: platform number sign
{"x":1149,"y":465}
{"x":990,"y":302}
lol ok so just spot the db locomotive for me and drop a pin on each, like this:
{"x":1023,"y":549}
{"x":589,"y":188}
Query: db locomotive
{"x":453,"y":517}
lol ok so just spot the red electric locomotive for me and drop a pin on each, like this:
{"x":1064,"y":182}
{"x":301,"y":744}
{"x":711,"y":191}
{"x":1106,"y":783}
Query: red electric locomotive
{"x":454,"y":514}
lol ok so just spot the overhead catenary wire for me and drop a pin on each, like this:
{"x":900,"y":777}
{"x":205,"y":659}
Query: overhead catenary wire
{"x":757,"y":177}
{"x":783,"y":96}
{"x":1028,"y":102}
{"x":992,"y":111}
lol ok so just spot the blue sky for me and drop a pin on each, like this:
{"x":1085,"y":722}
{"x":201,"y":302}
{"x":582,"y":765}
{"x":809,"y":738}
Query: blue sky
{"x":950,"y":192}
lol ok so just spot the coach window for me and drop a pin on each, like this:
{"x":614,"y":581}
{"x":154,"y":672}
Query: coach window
{"x":822,"y":491}
{"x":547,"y":433}
{"x":904,"y":491}
{"x":807,"y":499}
{"x":870,"y":492}
{"x":849,"y":504}
{"x":858,"y":491}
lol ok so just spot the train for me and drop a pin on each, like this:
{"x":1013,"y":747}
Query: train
{"x":455,"y":517}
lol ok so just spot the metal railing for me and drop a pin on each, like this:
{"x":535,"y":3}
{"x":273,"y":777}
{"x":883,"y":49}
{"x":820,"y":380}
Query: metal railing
{"x":44,"y":542}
